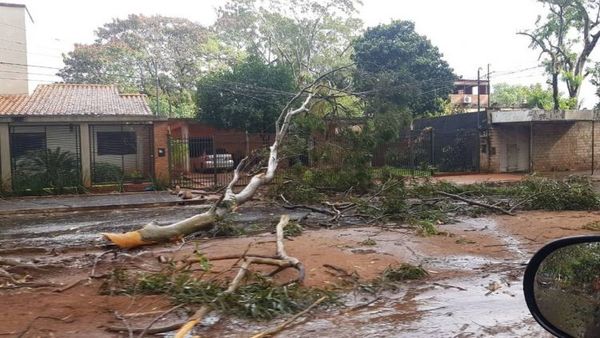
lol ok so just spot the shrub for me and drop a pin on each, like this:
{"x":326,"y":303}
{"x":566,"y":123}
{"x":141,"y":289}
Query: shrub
{"x":47,"y":171}
{"x":107,"y":173}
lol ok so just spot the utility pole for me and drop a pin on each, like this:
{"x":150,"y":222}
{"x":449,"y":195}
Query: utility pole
{"x":157,"y":85}
{"x":489,"y":87}
{"x":478,"y":91}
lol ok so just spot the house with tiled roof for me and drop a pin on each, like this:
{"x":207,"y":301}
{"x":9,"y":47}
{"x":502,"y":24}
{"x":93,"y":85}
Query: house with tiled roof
{"x":69,"y":135}
{"x":103,"y":136}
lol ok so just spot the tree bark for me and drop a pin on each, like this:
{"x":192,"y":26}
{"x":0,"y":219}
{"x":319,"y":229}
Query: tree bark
{"x":555,"y":93}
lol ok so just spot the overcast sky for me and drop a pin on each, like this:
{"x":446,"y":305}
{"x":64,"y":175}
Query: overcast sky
{"x":470,"y":33}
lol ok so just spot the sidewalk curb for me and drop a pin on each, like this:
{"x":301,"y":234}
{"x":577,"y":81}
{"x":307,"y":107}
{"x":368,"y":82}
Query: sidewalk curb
{"x":102,"y":207}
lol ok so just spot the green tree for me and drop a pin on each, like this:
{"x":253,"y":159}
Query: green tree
{"x":148,"y":54}
{"x":310,"y":37}
{"x":567,"y":37}
{"x":533,"y":96}
{"x":249,"y":96}
{"x":401,"y":74}
{"x":595,"y":80}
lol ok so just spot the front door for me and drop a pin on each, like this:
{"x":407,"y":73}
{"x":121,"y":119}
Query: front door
{"x":512,"y":160}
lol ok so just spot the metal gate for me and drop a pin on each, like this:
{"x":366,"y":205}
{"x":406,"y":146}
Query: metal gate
{"x":121,"y":153}
{"x":45,"y":159}
{"x":430,"y":149}
{"x":209,"y":161}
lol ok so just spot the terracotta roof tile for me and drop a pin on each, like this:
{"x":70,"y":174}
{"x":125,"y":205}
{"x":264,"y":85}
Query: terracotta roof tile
{"x":78,"y":99}
{"x":11,"y":104}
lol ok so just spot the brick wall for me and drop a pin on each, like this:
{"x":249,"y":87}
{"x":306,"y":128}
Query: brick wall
{"x":161,"y":141}
{"x":233,"y":142}
{"x":488,"y":159}
{"x":563,"y":146}
{"x":556,"y":146}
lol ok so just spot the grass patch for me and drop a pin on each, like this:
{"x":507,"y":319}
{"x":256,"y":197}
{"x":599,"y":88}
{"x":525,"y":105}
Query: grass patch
{"x":427,"y":228}
{"x":403,"y":273}
{"x":226,"y":227}
{"x":465,"y":241}
{"x":368,"y":242}
{"x":293,"y":229}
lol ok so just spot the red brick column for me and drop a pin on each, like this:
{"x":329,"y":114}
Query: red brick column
{"x":161,"y":151}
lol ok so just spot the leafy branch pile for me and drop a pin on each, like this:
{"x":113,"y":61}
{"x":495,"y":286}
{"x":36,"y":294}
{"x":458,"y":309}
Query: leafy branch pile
{"x":425,"y":204}
{"x":259,"y":298}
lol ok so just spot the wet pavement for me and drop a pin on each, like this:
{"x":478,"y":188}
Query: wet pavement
{"x":68,"y":203}
{"x":80,"y":229}
{"x":474,"y":289}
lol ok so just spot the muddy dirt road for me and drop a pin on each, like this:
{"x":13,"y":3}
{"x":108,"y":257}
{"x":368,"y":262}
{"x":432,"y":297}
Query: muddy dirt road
{"x":474,"y":288}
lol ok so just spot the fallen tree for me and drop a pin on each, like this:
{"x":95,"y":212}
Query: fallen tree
{"x":153,"y":233}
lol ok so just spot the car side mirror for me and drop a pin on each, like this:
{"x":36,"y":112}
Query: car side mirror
{"x":562,"y":287}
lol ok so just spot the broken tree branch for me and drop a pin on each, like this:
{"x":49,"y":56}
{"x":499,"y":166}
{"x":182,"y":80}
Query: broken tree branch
{"x":283,"y":261}
{"x":145,"y":331}
{"x":472,"y":202}
{"x":152,"y":233}
{"x":291,"y":206}
{"x":282,"y":326}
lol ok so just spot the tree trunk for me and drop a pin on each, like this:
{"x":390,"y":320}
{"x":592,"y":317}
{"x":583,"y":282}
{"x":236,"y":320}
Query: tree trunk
{"x":153,"y":233}
{"x":555,"y":93}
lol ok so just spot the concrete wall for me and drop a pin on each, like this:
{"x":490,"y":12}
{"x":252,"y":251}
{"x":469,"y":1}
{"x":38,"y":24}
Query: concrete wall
{"x":13,"y":50}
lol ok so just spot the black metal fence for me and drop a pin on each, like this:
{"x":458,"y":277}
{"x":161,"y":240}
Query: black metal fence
{"x":121,"y":153}
{"x":45,"y":159}
{"x":209,"y":161}
{"x":432,"y":150}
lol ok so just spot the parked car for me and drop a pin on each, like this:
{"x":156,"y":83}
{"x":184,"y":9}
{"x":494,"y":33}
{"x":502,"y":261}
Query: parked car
{"x":218,"y":161}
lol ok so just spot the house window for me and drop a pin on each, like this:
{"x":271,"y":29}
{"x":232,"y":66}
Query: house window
{"x":22,"y":143}
{"x":116,"y":143}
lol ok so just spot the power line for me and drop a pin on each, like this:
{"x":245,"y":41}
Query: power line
{"x":28,"y":73}
{"x":32,"y":45}
{"x":26,"y":65}
{"x":504,"y":73}
{"x":31,"y":53}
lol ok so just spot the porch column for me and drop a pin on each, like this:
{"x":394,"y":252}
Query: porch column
{"x":86,"y":157}
{"x":5,"y":167}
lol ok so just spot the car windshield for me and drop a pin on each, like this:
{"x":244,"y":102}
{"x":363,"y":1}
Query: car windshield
{"x":344,"y":168}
